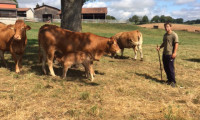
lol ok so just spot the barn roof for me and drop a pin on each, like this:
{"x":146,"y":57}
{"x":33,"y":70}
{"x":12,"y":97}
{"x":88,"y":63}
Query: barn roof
{"x":47,"y":6}
{"x":7,"y":2}
{"x":94,"y":10}
{"x":23,"y":9}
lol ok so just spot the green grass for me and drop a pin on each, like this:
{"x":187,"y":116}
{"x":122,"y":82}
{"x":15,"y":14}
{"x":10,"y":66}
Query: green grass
{"x":122,"y":88}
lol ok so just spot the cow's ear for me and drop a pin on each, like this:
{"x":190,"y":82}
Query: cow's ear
{"x":11,"y":27}
{"x":110,"y":41}
{"x":28,"y":27}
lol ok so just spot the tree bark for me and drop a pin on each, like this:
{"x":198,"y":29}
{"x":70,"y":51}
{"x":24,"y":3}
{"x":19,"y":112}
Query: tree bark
{"x":71,"y":14}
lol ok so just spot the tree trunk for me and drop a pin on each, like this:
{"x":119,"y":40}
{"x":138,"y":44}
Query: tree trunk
{"x":71,"y":14}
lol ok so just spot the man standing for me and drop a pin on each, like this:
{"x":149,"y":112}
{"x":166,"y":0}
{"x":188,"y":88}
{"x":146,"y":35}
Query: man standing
{"x":170,"y":44}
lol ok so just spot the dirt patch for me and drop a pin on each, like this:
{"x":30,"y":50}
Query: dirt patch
{"x":189,"y":28}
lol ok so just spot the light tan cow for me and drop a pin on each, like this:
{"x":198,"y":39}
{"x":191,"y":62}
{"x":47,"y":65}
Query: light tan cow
{"x":131,"y":39}
{"x":73,"y":58}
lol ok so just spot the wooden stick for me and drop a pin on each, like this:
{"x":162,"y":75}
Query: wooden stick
{"x":160,"y":63}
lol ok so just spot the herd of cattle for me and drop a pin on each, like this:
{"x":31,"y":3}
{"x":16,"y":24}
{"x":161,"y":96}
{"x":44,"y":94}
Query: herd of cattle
{"x":65,"y":46}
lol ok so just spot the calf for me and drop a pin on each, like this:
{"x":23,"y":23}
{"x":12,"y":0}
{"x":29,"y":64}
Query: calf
{"x":78,"y":57}
{"x":132,"y":39}
{"x":13,"y":38}
{"x":52,"y":38}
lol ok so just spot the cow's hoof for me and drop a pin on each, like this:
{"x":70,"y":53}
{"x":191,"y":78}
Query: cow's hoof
{"x":141,"y":59}
{"x":53,"y":75}
{"x":134,"y":59}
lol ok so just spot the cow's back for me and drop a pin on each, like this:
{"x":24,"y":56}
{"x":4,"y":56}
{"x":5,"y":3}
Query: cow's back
{"x":67,"y":41}
{"x":124,"y":39}
{"x":6,"y":33}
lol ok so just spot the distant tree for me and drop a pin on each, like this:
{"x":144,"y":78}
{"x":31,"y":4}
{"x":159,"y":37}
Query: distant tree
{"x":162,"y":19}
{"x":145,"y":20}
{"x":135,"y":19}
{"x":43,"y":4}
{"x":37,"y":6}
{"x":169,"y":19}
{"x":109,"y":17}
{"x":178,"y":20}
{"x":16,"y":3}
{"x":197,"y":21}
{"x":155,"y":19}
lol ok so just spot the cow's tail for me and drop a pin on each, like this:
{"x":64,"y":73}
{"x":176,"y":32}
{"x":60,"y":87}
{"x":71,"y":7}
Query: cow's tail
{"x":140,"y":38}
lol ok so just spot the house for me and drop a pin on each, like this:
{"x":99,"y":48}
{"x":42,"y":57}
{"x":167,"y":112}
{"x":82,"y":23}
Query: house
{"x":8,"y":11}
{"x":94,"y":13}
{"x":46,"y":13}
{"x":26,"y":13}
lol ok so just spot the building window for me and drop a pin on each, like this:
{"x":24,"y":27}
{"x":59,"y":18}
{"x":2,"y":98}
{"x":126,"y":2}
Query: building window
{"x":8,"y":13}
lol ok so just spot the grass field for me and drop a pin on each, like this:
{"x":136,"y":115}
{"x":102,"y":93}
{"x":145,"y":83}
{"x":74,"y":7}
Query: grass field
{"x":122,"y":88}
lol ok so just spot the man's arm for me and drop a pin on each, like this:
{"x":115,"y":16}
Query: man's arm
{"x":175,"y":50}
{"x":161,"y":46}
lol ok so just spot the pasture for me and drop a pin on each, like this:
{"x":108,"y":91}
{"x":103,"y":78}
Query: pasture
{"x":122,"y":88}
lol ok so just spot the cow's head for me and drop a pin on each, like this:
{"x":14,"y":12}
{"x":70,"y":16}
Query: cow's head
{"x":20,"y":29}
{"x":113,"y":46}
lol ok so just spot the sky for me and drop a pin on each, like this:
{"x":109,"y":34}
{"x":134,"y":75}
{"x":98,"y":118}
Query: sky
{"x":124,"y":9}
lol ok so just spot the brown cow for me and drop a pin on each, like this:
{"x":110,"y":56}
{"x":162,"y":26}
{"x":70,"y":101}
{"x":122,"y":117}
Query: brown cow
{"x":132,"y":39}
{"x":78,"y":57}
{"x":53,"y":38}
{"x":2,"y":25}
{"x":13,"y":38}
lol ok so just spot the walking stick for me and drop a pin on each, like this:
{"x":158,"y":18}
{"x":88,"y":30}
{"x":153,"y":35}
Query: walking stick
{"x":160,"y":63}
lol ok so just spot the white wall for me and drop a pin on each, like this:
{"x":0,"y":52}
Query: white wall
{"x":29,"y":14}
{"x":8,"y":20}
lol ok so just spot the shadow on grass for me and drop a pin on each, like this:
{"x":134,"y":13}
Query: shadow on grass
{"x":193,"y":60}
{"x":121,"y":57}
{"x":146,"y":76}
{"x":30,"y":60}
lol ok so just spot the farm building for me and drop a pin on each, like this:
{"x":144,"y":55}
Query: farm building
{"x":94,"y":13}
{"x":8,"y":9}
{"x":46,"y":13}
{"x":25,"y":13}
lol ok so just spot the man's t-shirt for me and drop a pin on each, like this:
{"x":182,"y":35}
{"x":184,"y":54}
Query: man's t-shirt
{"x":169,"y":41}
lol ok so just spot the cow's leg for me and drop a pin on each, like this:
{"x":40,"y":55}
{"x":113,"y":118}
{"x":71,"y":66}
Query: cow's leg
{"x":20,"y":61}
{"x":65,"y":69}
{"x":135,"y":51}
{"x":91,"y":72}
{"x":50,"y":58}
{"x":16,"y":59}
{"x":141,"y":53}
{"x":43,"y":58}
{"x":2,"y":58}
{"x":91,"y":65}
{"x":85,"y":65}
{"x":122,"y":52}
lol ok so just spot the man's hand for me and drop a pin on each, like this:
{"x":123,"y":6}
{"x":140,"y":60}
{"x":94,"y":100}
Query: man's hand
{"x":173,"y":55}
{"x":158,"y":48}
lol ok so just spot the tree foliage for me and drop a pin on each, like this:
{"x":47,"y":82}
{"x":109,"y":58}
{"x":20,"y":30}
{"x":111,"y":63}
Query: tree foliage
{"x":145,"y":20}
{"x":155,"y":19}
{"x":135,"y":19}
{"x":37,"y":5}
{"x":197,"y":21}
{"x":109,"y":17}
{"x":17,"y":3}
